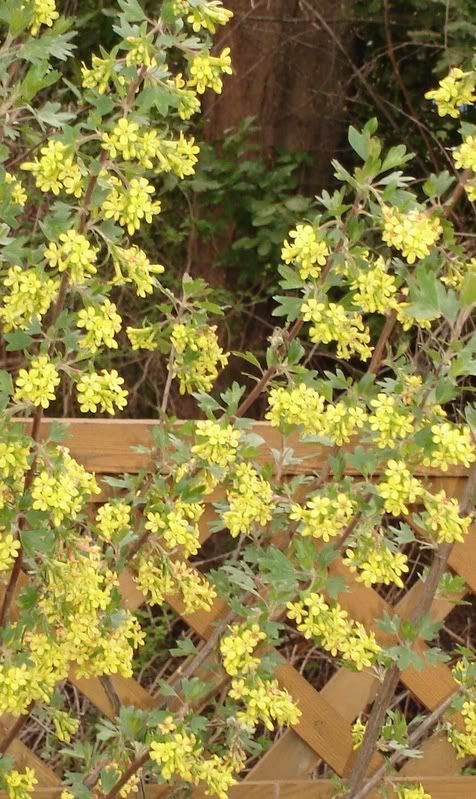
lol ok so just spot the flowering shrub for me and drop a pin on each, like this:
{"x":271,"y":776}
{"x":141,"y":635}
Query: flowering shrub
{"x":82,"y":180}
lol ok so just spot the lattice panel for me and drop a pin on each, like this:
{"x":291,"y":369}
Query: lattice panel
{"x":323,"y":733}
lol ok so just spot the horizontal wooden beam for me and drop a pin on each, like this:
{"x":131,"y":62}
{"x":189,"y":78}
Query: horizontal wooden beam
{"x":437,"y":787}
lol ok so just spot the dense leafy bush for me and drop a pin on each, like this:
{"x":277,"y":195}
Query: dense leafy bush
{"x":376,"y":276}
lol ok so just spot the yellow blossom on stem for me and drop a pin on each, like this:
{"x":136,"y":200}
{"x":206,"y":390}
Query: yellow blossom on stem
{"x":250,"y":501}
{"x":30,"y":295}
{"x":455,"y":90}
{"x":102,"y":392}
{"x":307,"y":251}
{"x":325,"y":515}
{"x":206,"y":71}
{"x":398,"y":488}
{"x":74,"y":253}
{"x":101,"y":323}
{"x":37,"y":384}
{"x":216,"y":443}
{"x":132,"y":204}
{"x":237,"y":647}
{"x":44,"y":13}
{"x":413,"y":233}
{"x":9,"y":547}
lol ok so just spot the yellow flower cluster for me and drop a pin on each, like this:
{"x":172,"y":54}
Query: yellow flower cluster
{"x":325,"y":515}
{"x":157,"y":578}
{"x":138,"y":269}
{"x":44,"y":13}
{"x":132,"y":143}
{"x":334,"y":630}
{"x":198,"y":356}
{"x":18,"y":193}
{"x":237,"y":648}
{"x":65,"y":725}
{"x":412,"y":792}
{"x":30,"y":295}
{"x":298,"y":405}
{"x":179,"y":755}
{"x":374,"y":561}
{"x":77,"y":595}
{"x":358,"y":732}
{"x":216,"y":443}
{"x":98,"y":76}
{"x":398,"y":488}
{"x":113,"y":520}
{"x":73,"y":253}
{"x":456,"y":270}
{"x":374,"y":289}
{"x":413,"y":233}
{"x":140,"y":52}
{"x":305,"y":406}
{"x":330,"y":322}
{"x":264,"y":702}
{"x":177,"y":526}
{"x":13,"y":459}
{"x":63,"y":490}
{"x":208,"y":16}
{"x":143,"y":338}
{"x":452,"y":445}
{"x":9,"y":547}
{"x":38,"y":383}
{"x":465,"y":154}
{"x":464,"y":743}
{"x":206,"y":70}
{"x":102,"y":392}
{"x":55,"y":170}
{"x":250,"y":501}
{"x":307,"y":251}
{"x":130,"y":205}
{"x":342,"y":421}
{"x":442,"y":518}
{"x":454,"y":91}
{"x":188,"y":102}
{"x":17,"y":784}
{"x":389,"y":421}
{"x":101,"y":322}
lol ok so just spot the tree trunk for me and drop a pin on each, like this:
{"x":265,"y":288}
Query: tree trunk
{"x":290,"y":75}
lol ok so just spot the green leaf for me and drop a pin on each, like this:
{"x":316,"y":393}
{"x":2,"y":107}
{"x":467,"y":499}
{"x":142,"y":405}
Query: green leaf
{"x":396,"y":156}
{"x":184,"y":648}
{"x":38,"y":77}
{"x":468,"y":289}
{"x":359,"y":142}
{"x":34,"y":541}
{"x":6,"y":388}
{"x":17,"y":340}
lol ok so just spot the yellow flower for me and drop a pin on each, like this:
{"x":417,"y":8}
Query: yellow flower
{"x":101,"y":322}
{"x":138,"y":269}
{"x":18,"y":195}
{"x":398,"y":488}
{"x":374,"y":289}
{"x":55,"y":170}
{"x":374,"y":562}
{"x":208,"y":16}
{"x":19,"y":785}
{"x":413,"y":233}
{"x":330,"y":322}
{"x":73,"y":253}
{"x":412,"y":792}
{"x":30,"y":295}
{"x":101,"y":391}
{"x":206,"y":71}
{"x":37,"y":384}
{"x":442,"y":518}
{"x":325,"y":515}
{"x":465,"y":154}
{"x":390,"y":422}
{"x":9,"y":547}
{"x":132,"y":204}
{"x":237,"y":647}
{"x":307,"y":251}
{"x":44,"y":13}
{"x":454,"y":91}
{"x":250,"y":501}
{"x":216,"y":443}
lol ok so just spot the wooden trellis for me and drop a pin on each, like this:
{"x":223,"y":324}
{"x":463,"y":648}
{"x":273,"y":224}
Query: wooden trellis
{"x":324,"y":730}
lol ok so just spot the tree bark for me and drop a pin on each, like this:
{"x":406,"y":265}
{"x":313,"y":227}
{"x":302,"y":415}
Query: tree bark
{"x":290,"y":75}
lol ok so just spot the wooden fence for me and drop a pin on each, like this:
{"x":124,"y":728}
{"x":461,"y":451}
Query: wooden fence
{"x":324,"y":730}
